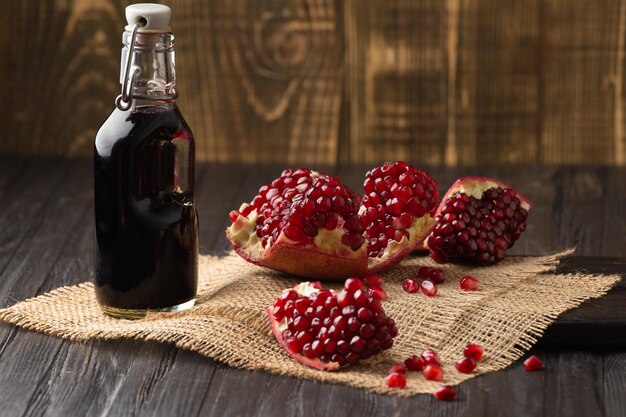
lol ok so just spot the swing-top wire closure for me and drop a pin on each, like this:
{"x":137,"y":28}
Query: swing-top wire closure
{"x":125,"y":100}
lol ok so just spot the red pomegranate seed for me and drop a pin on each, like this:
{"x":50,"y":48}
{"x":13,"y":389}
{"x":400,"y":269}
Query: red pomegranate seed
{"x":469,"y":284}
{"x":533,"y":363}
{"x":233,"y":215}
{"x":378,"y":293}
{"x":433,"y":274}
{"x":473,"y":351}
{"x":437,"y":276}
{"x":465,"y":365}
{"x":353,"y":284}
{"x":398,"y":368}
{"x":373,"y":280}
{"x":429,"y":288}
{"x":410,"y":285}
{"x":414,"y":363}
{"x":445,"y":393}
{"x":430,"y":357}
{"x":424,"y":271}
{"x":433,"y":373}
{"x":396,"y":380}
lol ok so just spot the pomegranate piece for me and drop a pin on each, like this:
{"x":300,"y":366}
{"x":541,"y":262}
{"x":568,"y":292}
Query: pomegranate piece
{"x":414,"y":363}
{"x":433,"y":373}
{"x":305,"y":223}
{"x":325,"y":330}
{"x":309,"y":224}
{"x":398,"y":203}
{"x":533,"y":363}
{"x":429,"y":288}
{"x":397,"y":368}
{"x":430,"y":357}
{"x":396,"y":380}
{"x":435,"y":275}
{"x":469,"y":284}
{"x":410,"y":285}
{"x":465,"y":365}
{"x":473,"y":351}
{"x":445,"y":393}
{"x":478,"y":219}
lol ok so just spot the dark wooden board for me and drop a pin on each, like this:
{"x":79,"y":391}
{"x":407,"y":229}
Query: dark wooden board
{"x":46,"y":242}
{"x":598,"y":324}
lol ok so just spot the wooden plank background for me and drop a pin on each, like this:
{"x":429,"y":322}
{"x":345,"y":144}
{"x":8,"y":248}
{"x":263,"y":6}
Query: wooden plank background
{"x":441,"y":82}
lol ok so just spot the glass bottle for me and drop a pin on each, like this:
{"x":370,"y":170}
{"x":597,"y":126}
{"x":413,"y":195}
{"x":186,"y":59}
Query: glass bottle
{"x":146,"y":228}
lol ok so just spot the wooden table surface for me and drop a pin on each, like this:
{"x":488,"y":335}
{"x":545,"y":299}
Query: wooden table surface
{"x":46,"y":241}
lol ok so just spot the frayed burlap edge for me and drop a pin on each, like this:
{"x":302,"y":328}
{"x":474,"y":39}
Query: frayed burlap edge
{"x":519,"y":298}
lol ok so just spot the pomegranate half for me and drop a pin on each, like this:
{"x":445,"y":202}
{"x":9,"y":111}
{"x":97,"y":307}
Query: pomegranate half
{"x":477,"y":220}
{"x":309,"y":224}
{"x":325,"y":330}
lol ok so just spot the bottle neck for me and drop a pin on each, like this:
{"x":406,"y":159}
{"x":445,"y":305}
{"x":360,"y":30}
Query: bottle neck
{"x":153,"y":55}
{"x":152,"y":105}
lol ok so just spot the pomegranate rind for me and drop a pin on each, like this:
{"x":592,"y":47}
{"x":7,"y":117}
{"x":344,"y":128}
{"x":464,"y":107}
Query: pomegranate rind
{"x":307,"y":261}
{"x":279,"y":326}
{"x":311,"y":261}
{"x":320,"y":261}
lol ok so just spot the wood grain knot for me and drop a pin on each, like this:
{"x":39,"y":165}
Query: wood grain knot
{"x":286,"y":42}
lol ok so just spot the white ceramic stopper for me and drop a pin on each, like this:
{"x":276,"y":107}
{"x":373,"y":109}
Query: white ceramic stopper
{"x":156,"y":16}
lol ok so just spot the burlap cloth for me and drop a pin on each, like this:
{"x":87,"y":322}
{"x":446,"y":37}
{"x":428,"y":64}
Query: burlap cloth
{"x":519,"y":298}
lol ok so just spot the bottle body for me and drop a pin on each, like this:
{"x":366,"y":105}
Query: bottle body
{"x":146,"y":227}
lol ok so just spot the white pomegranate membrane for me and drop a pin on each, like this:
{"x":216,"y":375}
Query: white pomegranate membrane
{"x":477,"y":221}
{"x":309,"y":224}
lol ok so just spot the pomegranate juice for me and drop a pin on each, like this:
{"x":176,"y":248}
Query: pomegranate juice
{"x":146,"y":225}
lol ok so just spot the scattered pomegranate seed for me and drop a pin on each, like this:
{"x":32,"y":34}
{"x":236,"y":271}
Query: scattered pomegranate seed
{"x":353,"y":284}
{"x":533,"y":363}
{"x":433,"y":373}
{"x":397,"y":368}
{"x":469,"y":284}
{"x":436,"y":275}
{"x":465,"y":365}
{"x":410,"y":285}
{"x":396,"y":380}
{"x":373,"y":280}
{"x":430,"y":357}
{"x":473,"y":351}
{"x":445,"y":393}
{"x":414,"y":363}
{"x":378,"y":293}
{"x":429,"y":288}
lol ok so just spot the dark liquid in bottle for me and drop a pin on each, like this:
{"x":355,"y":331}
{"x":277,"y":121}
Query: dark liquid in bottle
{"x":146,"y":224}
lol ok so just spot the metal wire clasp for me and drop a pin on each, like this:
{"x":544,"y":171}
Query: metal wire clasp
{"x":125,"y":100}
